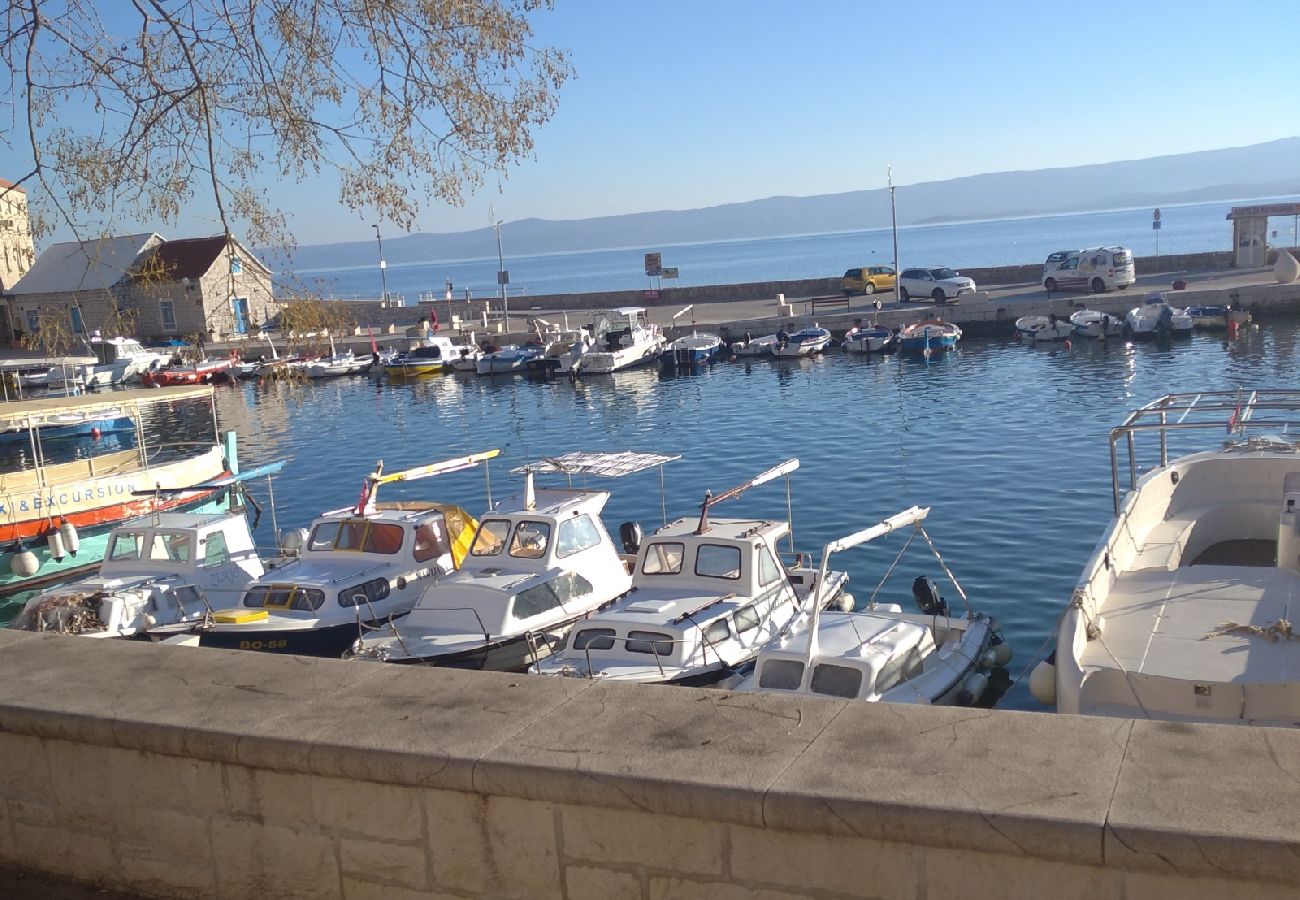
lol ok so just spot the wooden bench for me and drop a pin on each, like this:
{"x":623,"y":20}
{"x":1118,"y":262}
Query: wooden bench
{"x":834,"y":300}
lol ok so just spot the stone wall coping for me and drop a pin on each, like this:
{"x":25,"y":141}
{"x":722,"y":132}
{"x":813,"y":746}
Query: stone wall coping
{"x":1143,"y":796}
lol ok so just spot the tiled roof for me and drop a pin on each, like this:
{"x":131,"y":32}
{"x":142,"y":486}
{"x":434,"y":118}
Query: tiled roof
{"x":73,"y":266}
{"x":186,"y":258}
{"x":6,"y":183}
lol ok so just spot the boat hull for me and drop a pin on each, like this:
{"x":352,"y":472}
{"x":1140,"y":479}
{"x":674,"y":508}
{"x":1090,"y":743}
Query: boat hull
{"x":329,"y":641}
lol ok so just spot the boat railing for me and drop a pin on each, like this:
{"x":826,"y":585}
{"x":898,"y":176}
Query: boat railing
{"x":1236,"y":412}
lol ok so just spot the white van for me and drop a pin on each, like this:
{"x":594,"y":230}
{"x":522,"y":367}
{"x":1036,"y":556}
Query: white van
{"x":1098,"y":269}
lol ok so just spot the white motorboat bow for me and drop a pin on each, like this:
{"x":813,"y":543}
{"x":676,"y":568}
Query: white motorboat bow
{"x":1184,"y":610}
{"x":540,"y":562}
{"x":871,"y":338}
{"x":1097,"y":325}
{"x":884,"y":653}
{"x":1043,"y":328}
{"x":1155,"y":317}
{"x":628,"y":340}
{"x":804,"y":342}
{"x":750,"y":347}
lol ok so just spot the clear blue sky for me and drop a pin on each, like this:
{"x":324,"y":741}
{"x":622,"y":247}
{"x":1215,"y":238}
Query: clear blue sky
{"x":690,"y":103}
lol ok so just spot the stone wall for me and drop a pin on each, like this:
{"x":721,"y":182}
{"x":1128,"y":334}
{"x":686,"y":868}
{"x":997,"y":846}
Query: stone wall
{"x":201,"y":773}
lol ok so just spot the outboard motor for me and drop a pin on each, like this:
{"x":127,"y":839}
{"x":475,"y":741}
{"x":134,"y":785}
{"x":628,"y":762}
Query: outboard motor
{"x":630,"y":534}
{"x":926,"y":594}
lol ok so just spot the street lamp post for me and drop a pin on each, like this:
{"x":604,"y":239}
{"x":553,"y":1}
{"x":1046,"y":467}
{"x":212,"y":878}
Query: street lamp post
{"x":502,"y":278}
{"x":893,"y":220}
{"x":383,"y":267}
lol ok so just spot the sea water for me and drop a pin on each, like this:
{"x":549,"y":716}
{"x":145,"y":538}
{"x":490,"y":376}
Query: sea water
{"x":1190,"y":228}
{"x":1005,"y":443}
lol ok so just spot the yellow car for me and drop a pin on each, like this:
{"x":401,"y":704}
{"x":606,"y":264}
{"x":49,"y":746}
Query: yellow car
{"x":867,"y":280}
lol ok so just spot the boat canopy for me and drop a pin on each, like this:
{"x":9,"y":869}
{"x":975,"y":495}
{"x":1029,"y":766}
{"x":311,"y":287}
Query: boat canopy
{"x":26,"y":414}
{"x":603,"y":465}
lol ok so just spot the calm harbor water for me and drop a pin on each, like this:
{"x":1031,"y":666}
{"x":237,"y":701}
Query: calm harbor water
{"x":1189,"y":228}
{"x":1007,"y":444}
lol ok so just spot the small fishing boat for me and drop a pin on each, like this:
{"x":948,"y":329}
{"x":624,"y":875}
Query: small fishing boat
{"x":870,"y":338}
{"x":693,"y":349}
{"x":540,"y":562}
{"x":1214,"y":317}
{"x":1043,"y":328}
{"x":1097,"y":325}
{"x":162,"y":570}
{"x":355,"y":569}
{"x":804,"y":342}
{"x":1184,"y":611}
{"x":204,"y":371}
{"x":751,"y":347}
{"x":1155,"y":317}
{"x":706,"y":596}
{"x":507,"y":360}
{"x":433,"y":357}
{"x":931,"y":336}
{"x":624,"y":339}
{"x":883,"y":653}
{"x":336,"y":364}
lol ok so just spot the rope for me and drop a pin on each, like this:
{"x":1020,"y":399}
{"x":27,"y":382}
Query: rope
{"x":943,"y":565}
{"x":1277,"y":631}
{"x":871,"y":603}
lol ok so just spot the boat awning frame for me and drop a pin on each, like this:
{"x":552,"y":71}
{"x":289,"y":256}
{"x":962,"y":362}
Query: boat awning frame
{"x":22,"y":414}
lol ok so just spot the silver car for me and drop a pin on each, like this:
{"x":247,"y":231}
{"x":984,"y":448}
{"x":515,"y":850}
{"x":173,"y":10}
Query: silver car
{"x":939,"y":283}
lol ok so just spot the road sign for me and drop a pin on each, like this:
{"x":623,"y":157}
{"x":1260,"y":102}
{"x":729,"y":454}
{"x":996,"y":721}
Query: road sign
{"x":503,"y":277}
{"x":1156,"y":215}
{"x":653,"y":264}
{"x":670,"y":273}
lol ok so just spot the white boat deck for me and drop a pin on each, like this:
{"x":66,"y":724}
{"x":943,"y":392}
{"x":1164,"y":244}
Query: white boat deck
{"x":1156,"y":623}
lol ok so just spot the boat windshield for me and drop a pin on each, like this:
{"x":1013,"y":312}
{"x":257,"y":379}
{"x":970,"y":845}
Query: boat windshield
{"x":358,"y":535}
{"x":491,"y":537}
{"x":780,"y":674}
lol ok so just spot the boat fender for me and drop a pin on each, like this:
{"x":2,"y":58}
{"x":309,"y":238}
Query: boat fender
{"x":55,"y":542}
{"x":1067,"y":344}
{"x":926,"y":594}
{"x":972,"y":688}
{"x":95,"y":433}
{"x":24,"y":563}
{"x":71,"y":541}
{"x":845,"y":601}
{"x":629,"y":533}
{"x":292,"y":540}
{"x":1042,"y":681}
{"x":1000,"y":649}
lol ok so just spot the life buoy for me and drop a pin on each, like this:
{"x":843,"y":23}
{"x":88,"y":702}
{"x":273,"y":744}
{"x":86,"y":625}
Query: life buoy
{"x":433,"y":321}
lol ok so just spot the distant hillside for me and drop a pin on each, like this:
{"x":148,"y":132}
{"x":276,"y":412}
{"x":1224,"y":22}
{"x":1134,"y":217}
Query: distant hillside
{"x":1189,"y":177}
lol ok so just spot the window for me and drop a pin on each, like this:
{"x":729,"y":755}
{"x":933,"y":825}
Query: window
{"x":718,"y":561}
{"x":167,"y":313}
{"x":746,"y":619}
{"x":836,"y":681}
{"x":33,"y":321}
{"x":781,"y":674}
{"x":531,"y":540}
{"x":358,"y":535}
{"x":663,"y":559}
{"x":491,"y":537}
{"x":215,"y":552}
{"x":594,"y":639}
{"x":549,"y":595}
{"x":1070,"y":263}
{"x":323,"y":535}
{"x":236,"y":266}
{"x":429,"y":543}
{"x":369,"y":592}
{"x":78,"y":323}
{"x":768,"y":569}
{"x":576,"y":535}
{"x":716,"y":632}
{"x":126,"y":545}
{"x":655,"y":642}
{"x":170,"y":546}
{"x":284,"y":596}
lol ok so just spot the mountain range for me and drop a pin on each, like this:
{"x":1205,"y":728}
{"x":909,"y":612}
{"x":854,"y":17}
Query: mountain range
{"x":1261,"y":170}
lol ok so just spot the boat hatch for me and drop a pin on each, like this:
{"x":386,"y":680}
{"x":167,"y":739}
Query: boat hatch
{"x":651,"y":606}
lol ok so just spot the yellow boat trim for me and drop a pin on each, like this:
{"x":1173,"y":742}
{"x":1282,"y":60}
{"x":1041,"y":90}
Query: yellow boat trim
{"x":240,"y":616}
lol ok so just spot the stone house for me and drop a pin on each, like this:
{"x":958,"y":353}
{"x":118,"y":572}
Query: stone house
{"x":209,"y":286}
{"x":17,"y":252}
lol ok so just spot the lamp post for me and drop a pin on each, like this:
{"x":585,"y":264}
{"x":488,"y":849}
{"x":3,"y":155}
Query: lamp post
{"x":502,"y":277}
{"x":893,"y":220}
{"x":383,"y":266}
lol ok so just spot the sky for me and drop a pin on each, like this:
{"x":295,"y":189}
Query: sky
{"x":680,"y":104}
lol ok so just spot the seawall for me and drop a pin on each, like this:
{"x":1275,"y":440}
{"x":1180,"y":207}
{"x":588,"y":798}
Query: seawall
{"x":202,"y":773}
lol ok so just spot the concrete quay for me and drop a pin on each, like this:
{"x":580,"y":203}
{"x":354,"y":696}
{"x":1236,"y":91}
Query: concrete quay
{"x":175,"y":772}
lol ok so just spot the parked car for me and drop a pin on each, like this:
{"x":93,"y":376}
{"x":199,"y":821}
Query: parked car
{"x":1098,"y":269}
{"x":868,"y":280}
{"x":940,"y":283}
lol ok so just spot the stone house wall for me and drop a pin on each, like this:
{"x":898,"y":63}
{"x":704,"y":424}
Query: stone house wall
{"x":17,"y":251}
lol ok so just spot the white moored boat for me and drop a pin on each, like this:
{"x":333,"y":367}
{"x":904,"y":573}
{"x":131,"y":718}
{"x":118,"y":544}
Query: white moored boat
{"x":754,"y":346}
{"x":807,"y":341}
{"x":883,"y":653}
{"x":540,"y":561}
{"x":1184,"y":610}
{"x":870,"y":338}
{"x":1043,"y":328}
{"x":706,"y":596}
{"x":624,"y":339}
{"x":356,"y":568}
{"x":1155,"y":317}
{"x":1097,"y":325}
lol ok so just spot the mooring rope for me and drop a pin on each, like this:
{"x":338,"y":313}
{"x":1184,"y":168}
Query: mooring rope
{"x":1274,"y":632}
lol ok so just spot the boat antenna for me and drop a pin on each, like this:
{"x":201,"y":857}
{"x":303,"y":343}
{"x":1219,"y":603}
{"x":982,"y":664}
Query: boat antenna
{"x":784,"y":468}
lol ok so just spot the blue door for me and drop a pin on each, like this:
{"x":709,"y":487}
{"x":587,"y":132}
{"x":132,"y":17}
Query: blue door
{"x":239,"y":305}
